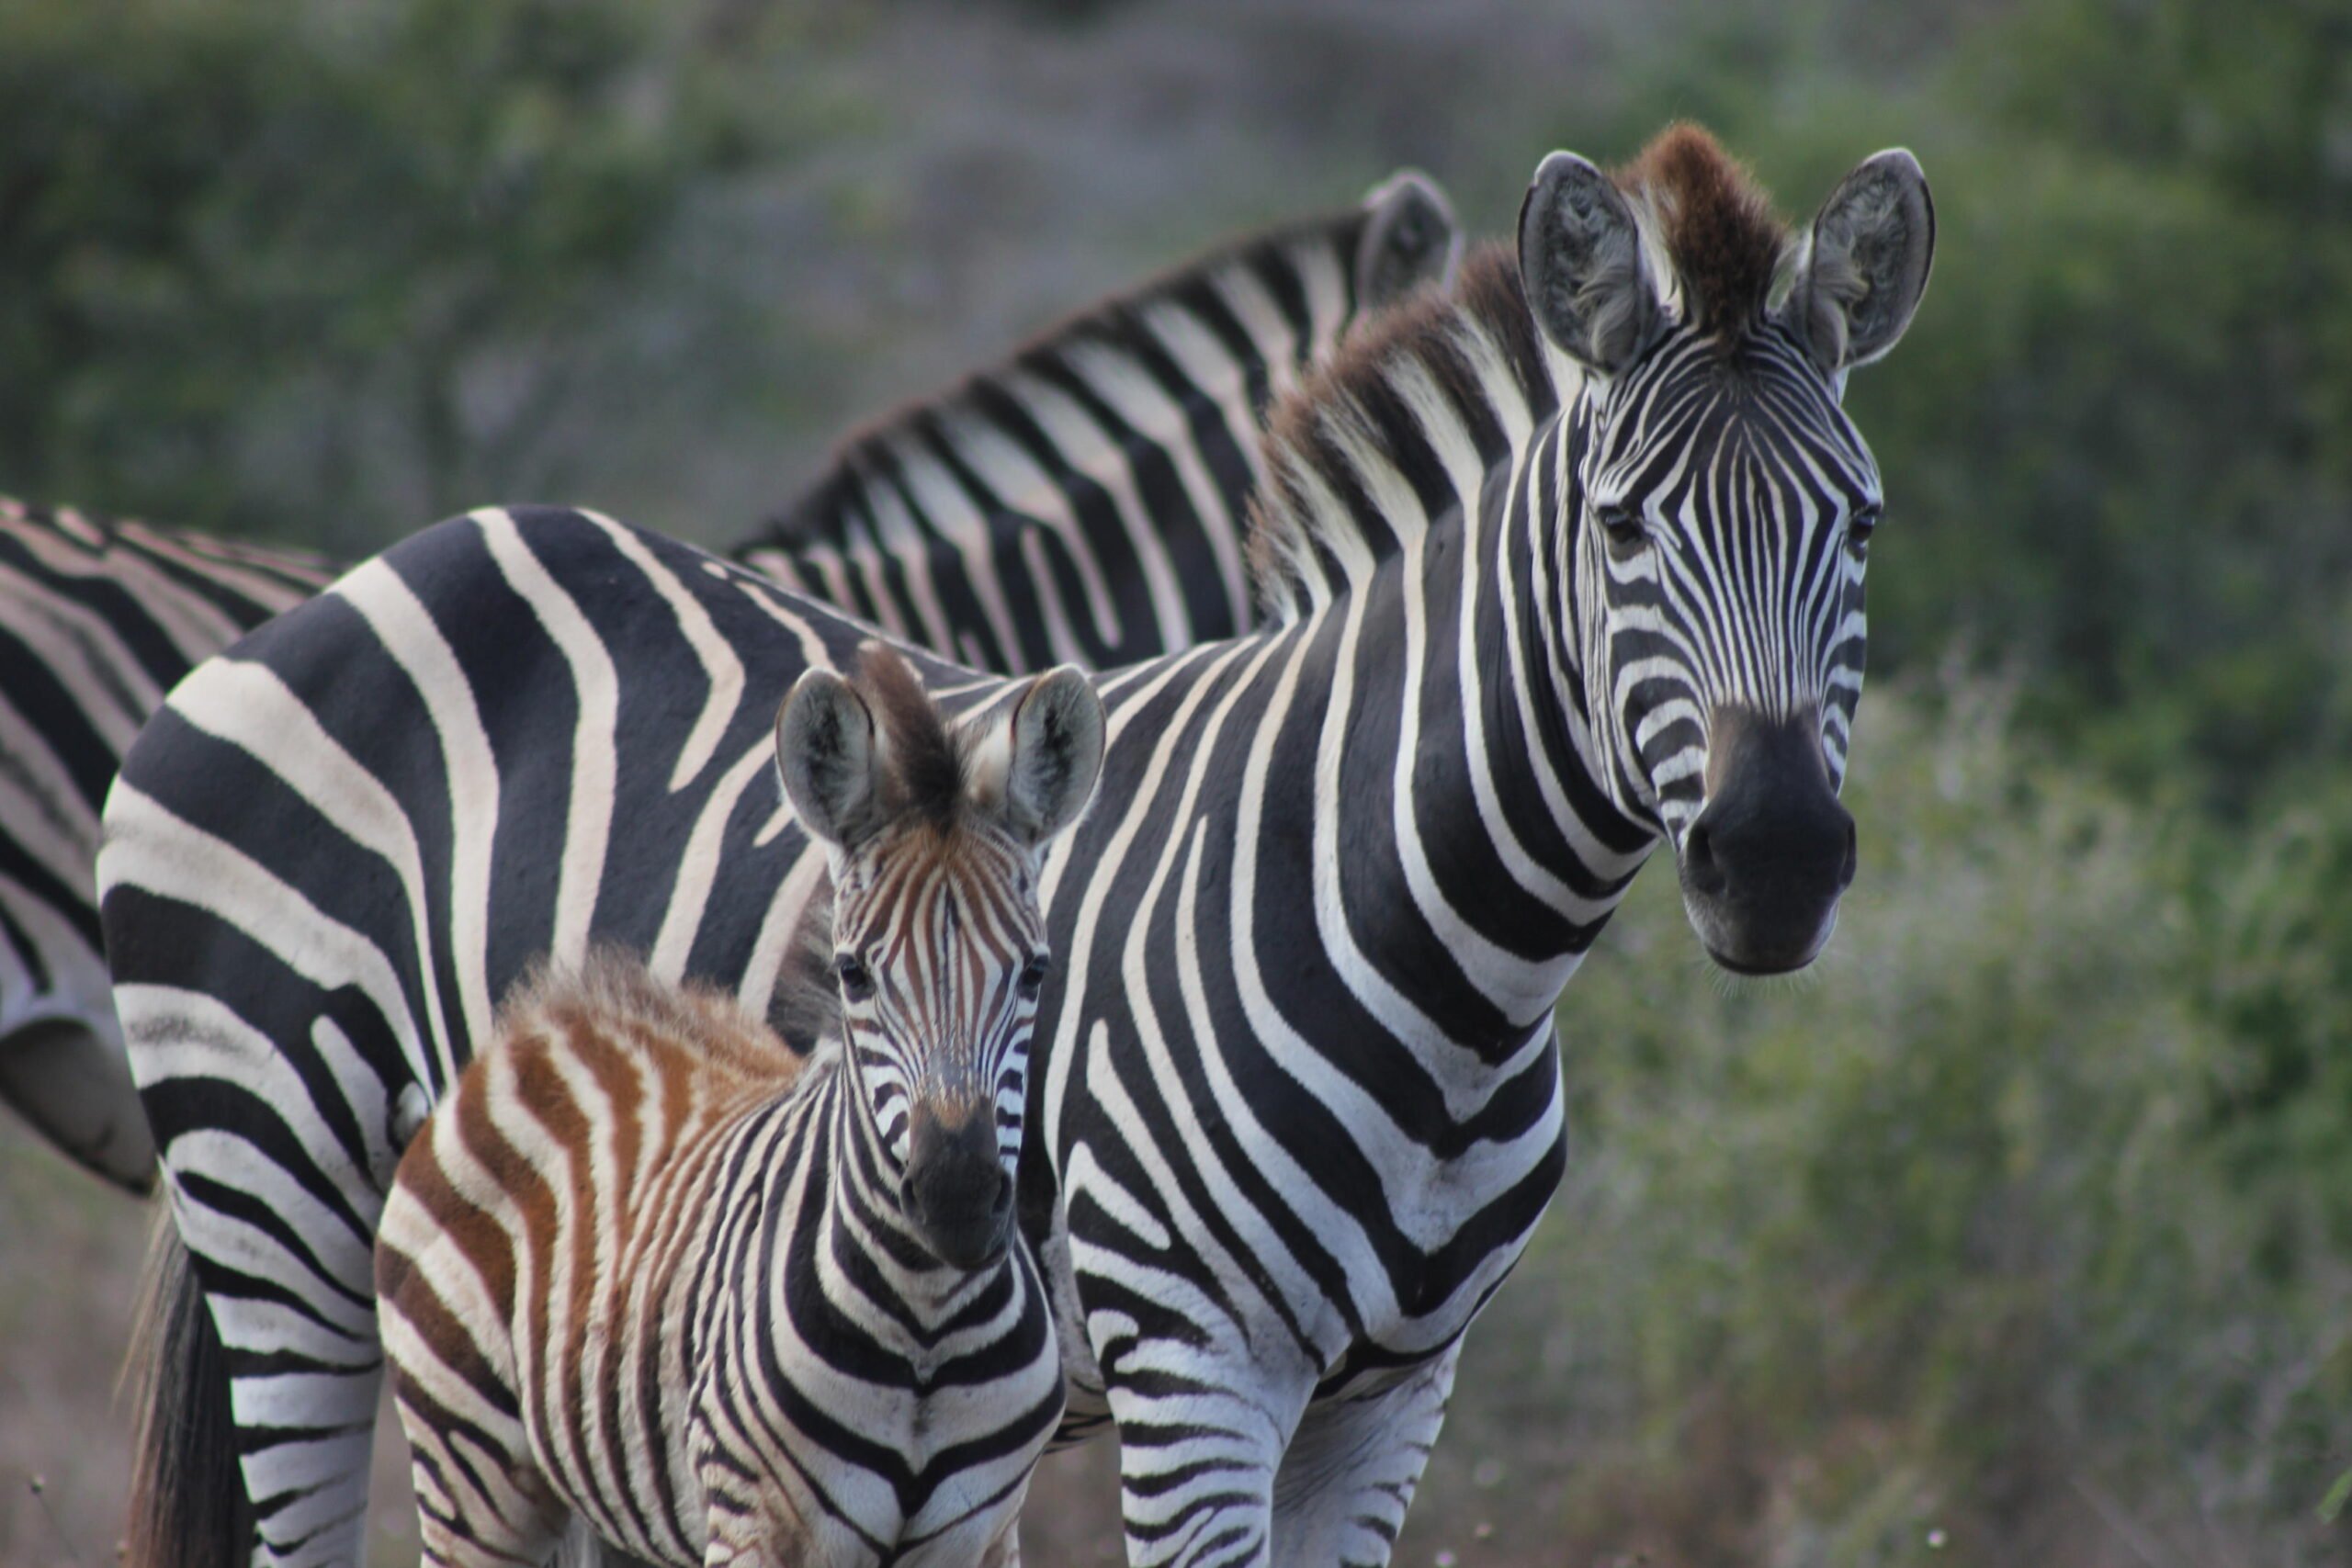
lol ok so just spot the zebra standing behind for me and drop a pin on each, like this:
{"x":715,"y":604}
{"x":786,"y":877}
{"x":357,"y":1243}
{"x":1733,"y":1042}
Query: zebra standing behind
{"x":98,"y":619}
{"x":1083,"y":502}
{"x":1086,"y":501}
{"x":644,"y":1265}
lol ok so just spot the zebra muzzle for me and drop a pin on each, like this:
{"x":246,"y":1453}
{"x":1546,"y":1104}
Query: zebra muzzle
{"x":955,"y":1191}
{"x":1764,"y":865}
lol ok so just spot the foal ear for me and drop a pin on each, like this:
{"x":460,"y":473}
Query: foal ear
{"x":825,"y":755}
{"x":1580,"y":261}
{"x":1410,"y":237}
{"x":1056,"y":754}
{"x":1865,"y":263}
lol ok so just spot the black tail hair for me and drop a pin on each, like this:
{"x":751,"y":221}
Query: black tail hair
{"x":188,"y":1507}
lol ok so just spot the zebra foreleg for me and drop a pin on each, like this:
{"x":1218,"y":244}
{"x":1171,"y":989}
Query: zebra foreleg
{"x":1197,"y":1464}
{"x":1349,"y":1476}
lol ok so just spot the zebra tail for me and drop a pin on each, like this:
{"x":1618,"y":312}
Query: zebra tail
{"x":188,"y":1507}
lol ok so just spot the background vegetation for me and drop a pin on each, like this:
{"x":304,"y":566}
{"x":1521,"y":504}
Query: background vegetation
{"x":2019,"y":1233}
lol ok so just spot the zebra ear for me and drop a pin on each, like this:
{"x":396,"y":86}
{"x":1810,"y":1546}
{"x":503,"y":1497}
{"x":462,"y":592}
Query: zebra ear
{"x":1580,"y":260}
{"x":1864,"y":264}
{"x":1410,"y":237}
{"x":826,"y":755}
{"x":1056,"y":741}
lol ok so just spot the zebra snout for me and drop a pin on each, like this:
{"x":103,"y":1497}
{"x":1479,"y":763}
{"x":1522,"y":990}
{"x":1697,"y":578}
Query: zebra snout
{"x":1764,"y":864}
{"x":955,"y":1189}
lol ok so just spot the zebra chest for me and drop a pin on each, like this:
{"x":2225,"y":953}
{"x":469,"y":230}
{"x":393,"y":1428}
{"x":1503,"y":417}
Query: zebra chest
{"x":1286,"y":1215}
{"x":877,"y":1416}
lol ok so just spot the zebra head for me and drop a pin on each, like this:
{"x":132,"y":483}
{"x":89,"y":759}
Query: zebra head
{"x":1719,"y":506}
{"x":933,"y":833}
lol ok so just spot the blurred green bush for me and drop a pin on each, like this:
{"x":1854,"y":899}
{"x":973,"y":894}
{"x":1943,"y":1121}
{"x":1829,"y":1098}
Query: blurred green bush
{"x":308,"y":271}
{"x":1969,"y":1232}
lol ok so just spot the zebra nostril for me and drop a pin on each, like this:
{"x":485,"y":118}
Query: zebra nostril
{"x":1700,"y":871}
{"x":1846,"y":867}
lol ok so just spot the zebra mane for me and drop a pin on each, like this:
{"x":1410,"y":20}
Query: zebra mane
{"x":1369,"y":451}
{"x":928,"y":766}
{"x":1714,"y":223}
{"x":1119,"y":324}
{"x":1430,"y":391}
{"x":612,"y":987}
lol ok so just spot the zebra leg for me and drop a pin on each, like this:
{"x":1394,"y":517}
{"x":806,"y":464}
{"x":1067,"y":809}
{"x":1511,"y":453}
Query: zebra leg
{"x":1197,"y":1459}
{"x":480,"y":1500}
{"x":1349,"y":1476}
{"x":305,"y":1376}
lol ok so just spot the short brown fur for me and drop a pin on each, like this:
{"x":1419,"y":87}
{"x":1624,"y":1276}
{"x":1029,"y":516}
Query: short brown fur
{"x":1718,"y":224}
{"x":1356,"y":384}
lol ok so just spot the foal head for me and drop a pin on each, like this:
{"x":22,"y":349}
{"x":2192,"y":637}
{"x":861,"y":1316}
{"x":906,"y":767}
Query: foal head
{"x":935,"y":831}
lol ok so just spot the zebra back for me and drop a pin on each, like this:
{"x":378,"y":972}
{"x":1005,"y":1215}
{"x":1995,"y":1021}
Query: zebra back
{"x":1086,"y":501}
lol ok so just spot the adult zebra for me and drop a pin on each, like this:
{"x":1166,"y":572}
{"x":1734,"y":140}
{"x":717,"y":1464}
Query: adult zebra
{"x":1084,"y":499}
{"x":1556,"y":571}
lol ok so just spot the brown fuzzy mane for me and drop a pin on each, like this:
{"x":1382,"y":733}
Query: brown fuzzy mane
{"x":1718,"y":224}
{"x":1456,"y":341}
{"x":928,"y":766}
{"x":613,"y":986}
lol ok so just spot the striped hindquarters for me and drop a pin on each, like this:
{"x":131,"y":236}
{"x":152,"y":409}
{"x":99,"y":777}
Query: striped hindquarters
{"x":99,"y":620}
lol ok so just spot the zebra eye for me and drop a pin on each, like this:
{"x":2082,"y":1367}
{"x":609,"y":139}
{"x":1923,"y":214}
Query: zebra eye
{"x":857,"y":984}
{"x":1859,"y":528}
{"x":1622,"y":525}
{"x":1033,"y":977}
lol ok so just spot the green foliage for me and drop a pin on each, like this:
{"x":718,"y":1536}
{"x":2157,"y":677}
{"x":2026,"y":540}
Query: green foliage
{"x":1950,"y":1237}
{"x":265,"y":267}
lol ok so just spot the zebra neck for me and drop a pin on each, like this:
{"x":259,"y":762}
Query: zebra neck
{"x":1462,"y":834}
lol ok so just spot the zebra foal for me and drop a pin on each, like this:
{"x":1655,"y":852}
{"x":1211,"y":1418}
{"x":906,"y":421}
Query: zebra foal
{"x":644,"y":1265}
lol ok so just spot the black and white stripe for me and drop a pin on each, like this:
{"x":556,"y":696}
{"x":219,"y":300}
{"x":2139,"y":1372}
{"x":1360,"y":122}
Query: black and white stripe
{"x":1083,"y":502}
{"x":98,"y":619}
{"x":1295,"y":1105}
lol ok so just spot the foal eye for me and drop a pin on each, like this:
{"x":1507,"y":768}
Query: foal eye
{"x":1032,"y":978}
{"x":857,"y":984}
{"x":1859,"y":528}
{"x":1621,"y":525}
